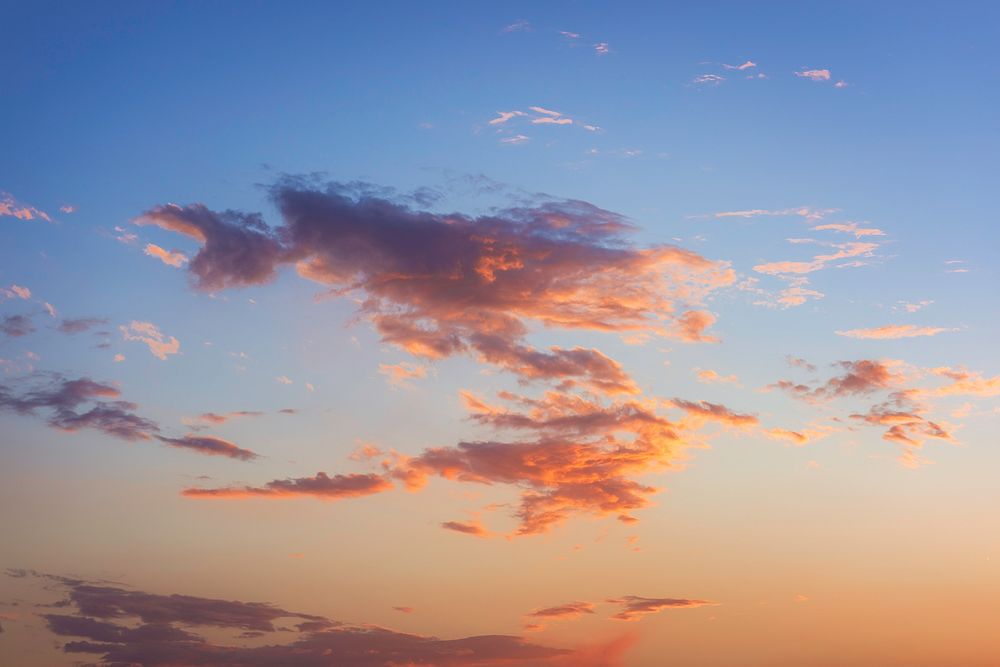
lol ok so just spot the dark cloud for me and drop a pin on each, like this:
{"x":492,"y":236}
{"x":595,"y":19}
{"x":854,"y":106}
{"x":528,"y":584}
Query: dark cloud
{"x":438,"y":285}
{"x":79,"y":325}
{"x":209,"y":446}
{"x":16,"y":326}
{"x":62,"y":399}
{"x":635,"y":606}
{"x":101,"y":621}
{"x":82,"y":403}
{"x":320,"y":486}
{"x":568,"y":610}
{"x":238,"y":249}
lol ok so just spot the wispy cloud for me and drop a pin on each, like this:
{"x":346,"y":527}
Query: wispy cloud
{"x":894,"y":332}
{"x":633,"y":607}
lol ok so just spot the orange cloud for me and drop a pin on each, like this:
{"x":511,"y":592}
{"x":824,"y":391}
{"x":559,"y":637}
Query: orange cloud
{"x":398,"y":374}
{"x":10,"y":207}
{"x":894,"y":331}
{"x":174,"y":259}
{"x":146,"y":332}
{"x":708,"y":376}
{"x":439,"y":285}
{"x":851,"y":228}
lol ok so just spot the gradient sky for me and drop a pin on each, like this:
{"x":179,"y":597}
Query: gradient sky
{"x":610,"y":334}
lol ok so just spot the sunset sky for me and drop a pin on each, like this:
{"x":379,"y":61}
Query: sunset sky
{"x":536,"y":334}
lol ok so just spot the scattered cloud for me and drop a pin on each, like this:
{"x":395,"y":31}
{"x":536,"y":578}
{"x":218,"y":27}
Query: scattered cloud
{"x":746,"y":65}
{"x":9,"y":207}
{"x":146,"y":332}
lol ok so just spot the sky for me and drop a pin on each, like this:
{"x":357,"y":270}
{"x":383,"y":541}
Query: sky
{"x":537,"y":334}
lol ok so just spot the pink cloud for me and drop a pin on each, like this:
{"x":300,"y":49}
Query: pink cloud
{"x":146,"y":332}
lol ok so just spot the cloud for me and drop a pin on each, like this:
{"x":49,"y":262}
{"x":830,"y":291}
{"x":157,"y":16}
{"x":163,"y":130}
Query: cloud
{"x":174,"y":259}
{"x":798,"y":438}
{"x":545,"y":112}
{"x":569,"y":35}
{"x":746,"y":65}
{"x":577,"y":455}
{"x":147,"y":332}
{"x":15,"y":292}
{"x":580,"y":456}
{"x":121,"y":626}
{"x":215,"y":419}
{"x":712,"y":79}
{"x":16,"y":326}
{"x":914,"y":307}
{"x":11,"y":208}
{"x":397,"y":375}
{"x":715,"y":412}
{"x":552,"y":121}
{"x":708,"y":376}
{"x":283,"y":379}
{"x":516,"y":139}
{"x":602,"y":48}
{"x":474,"y":528}
{"x":634,"y":606}
{"x":321,"y":486}
{"x":62,"y":400}
{"x":844,"y":251}
{"x":814,"y":74}
{"x":519,"y":25}
{"x":964,"y":383}
{"x":209,"y":446}
{"x":439,"y":285}
{"x":80,"y":325}
{"x":850,"y":228}
{"x":237,"y":249}
{"x":894,"y":332}
{"x":504,"y":116}
{"x":860,"y":377}
{"x":691,"y":325}
{"x":67,"y":208}
{"x":563,"y":611}
{"x":805,"y":212}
